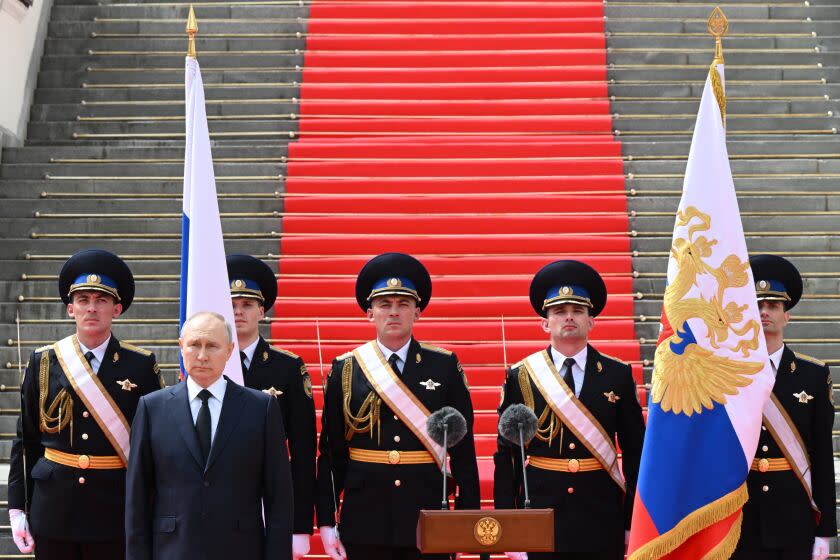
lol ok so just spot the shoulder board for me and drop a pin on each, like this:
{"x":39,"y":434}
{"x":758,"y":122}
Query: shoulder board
{"x":132,"y":348}
{"x":284,"y":352}
{"x":344,"y":356}
{"x":43,"y":348}
{"x":433,"y":348}
{"x":809,"y":359}
{"x":613,"y":358}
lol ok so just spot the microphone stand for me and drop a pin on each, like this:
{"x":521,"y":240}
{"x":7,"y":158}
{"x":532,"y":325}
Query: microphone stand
{"x":23,"y":449}
{"x":527,"y":504}
{"x":444,"y":501}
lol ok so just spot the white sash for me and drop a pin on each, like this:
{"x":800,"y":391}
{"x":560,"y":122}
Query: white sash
{"x":782,"y":429}
{"x":97,"y":400}
{"x":572,"y":413}
{"x":396,"y":395}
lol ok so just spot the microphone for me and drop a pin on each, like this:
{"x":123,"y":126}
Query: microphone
{"x":446,"y":427}
{"x":518,"y":425}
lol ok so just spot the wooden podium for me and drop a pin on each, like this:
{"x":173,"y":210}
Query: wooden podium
{"x":485,"y":530}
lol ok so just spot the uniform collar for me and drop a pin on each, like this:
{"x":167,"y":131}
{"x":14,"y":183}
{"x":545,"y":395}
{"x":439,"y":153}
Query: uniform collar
{"x":776,"y":358}
{"x":402,"y":353}
{"x":250,"y":349}
{"x":99,"y":351}
{"x":579,"y":358}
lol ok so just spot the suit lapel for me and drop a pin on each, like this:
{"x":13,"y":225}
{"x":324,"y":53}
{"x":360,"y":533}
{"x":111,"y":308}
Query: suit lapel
{"x":178,"y":407}
{"x":228,"y":419}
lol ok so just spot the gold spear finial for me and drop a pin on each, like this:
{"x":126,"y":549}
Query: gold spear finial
{"x":192,"y":29}
{"x":718,"y":26}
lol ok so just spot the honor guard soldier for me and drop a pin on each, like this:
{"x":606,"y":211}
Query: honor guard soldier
{"x":790,"y":514}
{"x":583,"y":400}
{"x":78,"y":398}
{"x":282,"y":375}
{"x":374,"y":448}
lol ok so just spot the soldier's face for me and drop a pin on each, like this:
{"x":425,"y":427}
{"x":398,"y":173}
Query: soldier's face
{"x":568,"y":321}
{"x":774,"y":318}
{"x":93,"y":312}
{"x":206,"y":349}
{"x":393,"y":316}
{"x":247,"y":314}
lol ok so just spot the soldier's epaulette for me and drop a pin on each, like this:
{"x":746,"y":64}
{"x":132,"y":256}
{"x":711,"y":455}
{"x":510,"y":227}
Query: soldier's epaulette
{"x":43,"y":348}
{"x":285,"y":352}
{"x":132,"y":348}
{"x":344,"y":356}
{"x":433,"y":348}
{"x":809,"y":359}
{"x":613,"y":358}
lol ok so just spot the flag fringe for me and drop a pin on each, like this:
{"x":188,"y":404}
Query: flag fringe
{"x":695,"y":522}
{"x":724,"y":549}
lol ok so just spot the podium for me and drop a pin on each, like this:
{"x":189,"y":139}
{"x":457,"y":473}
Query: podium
{"x":485,"y":530}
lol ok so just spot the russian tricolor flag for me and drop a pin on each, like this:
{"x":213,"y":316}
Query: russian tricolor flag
{"x":711,"y":374}
{"x":204,"y":280}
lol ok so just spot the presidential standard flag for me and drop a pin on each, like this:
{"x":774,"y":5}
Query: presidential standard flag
{"x":204,"y":279}
{"x":711,"y":374}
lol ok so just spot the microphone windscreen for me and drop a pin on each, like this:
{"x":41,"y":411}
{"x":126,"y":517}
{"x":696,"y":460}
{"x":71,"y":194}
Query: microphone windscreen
{"x":450,"y":420}
{"x":514,"y":417}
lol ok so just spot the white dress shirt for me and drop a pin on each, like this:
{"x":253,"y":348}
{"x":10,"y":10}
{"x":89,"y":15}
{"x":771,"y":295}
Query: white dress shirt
{"x":249,"y":352}
{"x":775,"y":359}
{"x":402,"y":353}
{"x":577,"y":369}
{"x":217,"y":389}
{"x":98,"y":353}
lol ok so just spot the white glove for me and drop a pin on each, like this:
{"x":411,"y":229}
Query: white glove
{"x":300,"y":546}
{"x":332,"y":545}
{"x":517,"y":555}
{"x":820,"y":551}
{"x":20,"y":531}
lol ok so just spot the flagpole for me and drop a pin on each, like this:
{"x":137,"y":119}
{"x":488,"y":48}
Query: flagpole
{"x":192,"y":29}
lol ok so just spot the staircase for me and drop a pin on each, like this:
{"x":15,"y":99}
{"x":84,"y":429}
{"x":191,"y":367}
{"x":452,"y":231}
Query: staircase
{"x":103,"y":162}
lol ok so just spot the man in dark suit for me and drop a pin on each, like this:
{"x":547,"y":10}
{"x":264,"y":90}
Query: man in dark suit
{"x":78,"y":397}
{"x":378,"y":457}
{"x":786,"y":518}
{"x":281,"y":374}
{"x":208,"y":477}
{"x":584,"y":400}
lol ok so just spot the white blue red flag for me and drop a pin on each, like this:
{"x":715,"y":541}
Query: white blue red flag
{"x":711,"y":374}
{"x":204,"y":278}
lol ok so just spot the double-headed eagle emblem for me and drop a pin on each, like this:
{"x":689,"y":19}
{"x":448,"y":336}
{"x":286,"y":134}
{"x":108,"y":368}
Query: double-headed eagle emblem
{"x":688,"y":377}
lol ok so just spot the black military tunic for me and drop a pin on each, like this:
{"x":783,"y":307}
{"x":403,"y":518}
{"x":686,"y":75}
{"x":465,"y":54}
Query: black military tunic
{"x":778,"y":514}
{"x":283,"y":374}
{"x":66,"y":503}
{"x":590,"y":511}
{"x":382,"y":501}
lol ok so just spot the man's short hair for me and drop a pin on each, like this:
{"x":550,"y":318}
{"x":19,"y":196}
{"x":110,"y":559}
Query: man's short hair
{"x":213,"y":315}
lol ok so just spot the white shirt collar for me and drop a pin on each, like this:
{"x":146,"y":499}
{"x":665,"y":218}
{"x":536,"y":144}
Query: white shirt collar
{"x":99,"y":351}
{"x":776,"y":358}
{"x":402,"y":353}
{"x":579,"y":358}
{"x":249,"y":352}
{"x":217,"y":389}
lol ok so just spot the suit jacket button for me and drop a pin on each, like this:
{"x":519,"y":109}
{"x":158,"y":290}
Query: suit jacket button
{"x":765,"y":488}
{"x":397,"y":483}
{"x":81,"y":480}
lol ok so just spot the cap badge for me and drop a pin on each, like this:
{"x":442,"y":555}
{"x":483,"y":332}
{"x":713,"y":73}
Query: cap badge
{"x":394,"y":283}
{"x":762,"y":284}
{"x":237,"y":284}
{"x":93,"y":279}
{"x":565,"y":290}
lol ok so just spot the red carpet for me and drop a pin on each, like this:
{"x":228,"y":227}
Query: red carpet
{"x":476,"y":136}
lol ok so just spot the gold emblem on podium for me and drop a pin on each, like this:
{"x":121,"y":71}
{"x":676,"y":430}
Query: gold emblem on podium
{"x":487,"y":531}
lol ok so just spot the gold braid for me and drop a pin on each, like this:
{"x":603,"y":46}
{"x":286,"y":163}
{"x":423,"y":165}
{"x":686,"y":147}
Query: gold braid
{"x":63,"y":402}
{"x":544,"y":433}
{"x":368,"y":414}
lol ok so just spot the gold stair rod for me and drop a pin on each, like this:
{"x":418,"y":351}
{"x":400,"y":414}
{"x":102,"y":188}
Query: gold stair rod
{"x":179,"y":196}
{"x":222,"y":179}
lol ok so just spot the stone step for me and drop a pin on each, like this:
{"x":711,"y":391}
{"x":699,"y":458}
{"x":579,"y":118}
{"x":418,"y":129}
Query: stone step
{"x":99,"y":228}
{"x":22,"y":188}
{"x":733,"y":12}
{"x":755,"y":244}
{"x":15,"y":248}
{"x":52,"y":209}
{"x":222,"y":170}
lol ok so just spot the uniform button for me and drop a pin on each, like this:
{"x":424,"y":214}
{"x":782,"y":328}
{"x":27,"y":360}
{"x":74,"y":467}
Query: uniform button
{"x":84,"y":436}
{"x":81,"y":480}
{"x":397,"y":483}
{"x":572,"y":446}
{"x":397,"y":418}
{"x":85,"y":414}
{"x":570,"y":490}
{"x":765,"y":488}
{"x":397,"y":439}
{"x":764,"y":428}
{"x":765,"y":448}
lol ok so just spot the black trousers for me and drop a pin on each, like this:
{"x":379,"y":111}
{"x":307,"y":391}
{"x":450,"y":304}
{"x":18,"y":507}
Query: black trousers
{"x":801,"y":552}
{"x":374,"y":552}
{"x":52,"y":549}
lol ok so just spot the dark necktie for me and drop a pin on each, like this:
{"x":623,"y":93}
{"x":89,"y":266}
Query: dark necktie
{"x":89,"y":357}
{"x":567,"y":376}
{"x":242,"y":358}
{"x":202,"y":423}
{"x":393,"y":362}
